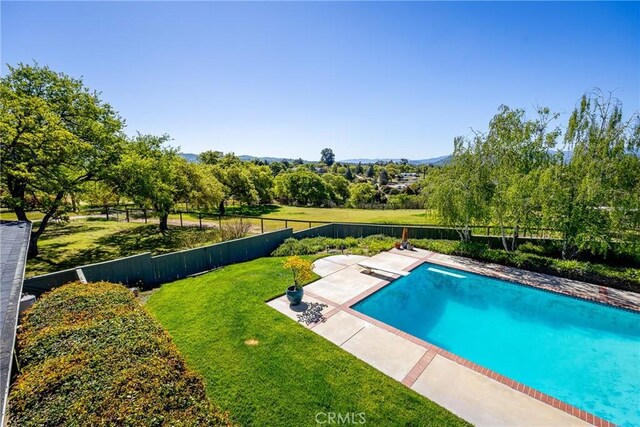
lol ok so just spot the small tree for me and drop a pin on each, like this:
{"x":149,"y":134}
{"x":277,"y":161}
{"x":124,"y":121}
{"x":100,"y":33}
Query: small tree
{"x":383,"y":178}
{"x":461,"y":191}
{"x":348,"y":174}
{"x":301,"y":270}
{"x":370,"y":172}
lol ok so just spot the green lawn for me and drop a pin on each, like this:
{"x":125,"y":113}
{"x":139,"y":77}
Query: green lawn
{"x":291,"y":374}
{"x":11,"y":216}
{"x":79,"y":242}
{"x":399,"y":216}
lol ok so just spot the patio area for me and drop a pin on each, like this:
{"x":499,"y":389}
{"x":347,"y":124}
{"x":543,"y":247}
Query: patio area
{"x":478,"y":395}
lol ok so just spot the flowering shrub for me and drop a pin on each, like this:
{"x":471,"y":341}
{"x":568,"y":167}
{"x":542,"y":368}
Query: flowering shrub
{"x":300,"y":269}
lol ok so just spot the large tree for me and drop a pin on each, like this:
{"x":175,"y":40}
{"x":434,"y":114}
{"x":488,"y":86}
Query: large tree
{"x":154,"y":175}
{"x":361,"y":193}
{"x":301,"y":187}
{"x":593,"y":197}
{"x":516,"y":150}
{"x":55,"y":135}
{"x":327,"y":157}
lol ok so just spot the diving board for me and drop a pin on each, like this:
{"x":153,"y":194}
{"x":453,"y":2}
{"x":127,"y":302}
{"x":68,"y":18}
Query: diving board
{"x":369,"y":266}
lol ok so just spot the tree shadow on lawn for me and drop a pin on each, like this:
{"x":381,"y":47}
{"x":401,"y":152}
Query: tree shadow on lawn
{"x":148,"y":238}
{"x":252,"y":210}
{"x":56,"y":230}
{"x":144,"y":238}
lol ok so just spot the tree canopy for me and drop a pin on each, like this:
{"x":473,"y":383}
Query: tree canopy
{"x":327,"y":157}
{"x":55,"y":135}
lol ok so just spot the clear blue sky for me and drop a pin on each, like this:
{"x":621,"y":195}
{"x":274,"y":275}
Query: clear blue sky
{"x":366,"y":79}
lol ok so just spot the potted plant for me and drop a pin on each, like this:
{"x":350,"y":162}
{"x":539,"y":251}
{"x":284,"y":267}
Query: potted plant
{"x":302,"y":271}
{"x":405,"y":238}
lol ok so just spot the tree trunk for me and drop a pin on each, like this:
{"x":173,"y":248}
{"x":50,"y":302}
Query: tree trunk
{"x":221,"y":207}
{"x":504,"y":238}
{"x":33,"y":246}
{"x":164,"y":218}
{"x":514,"y":244}
{"x":20,"y":214}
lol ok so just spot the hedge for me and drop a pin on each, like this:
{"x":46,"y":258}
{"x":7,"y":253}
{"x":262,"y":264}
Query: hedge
{"x":528,"y":257}
{"x":90,"y":354}
{"x":370,"y":245}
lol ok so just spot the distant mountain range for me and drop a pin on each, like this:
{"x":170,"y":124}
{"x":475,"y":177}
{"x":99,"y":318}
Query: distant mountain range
{"x":442,"y":160}
{"x":432,"y":161}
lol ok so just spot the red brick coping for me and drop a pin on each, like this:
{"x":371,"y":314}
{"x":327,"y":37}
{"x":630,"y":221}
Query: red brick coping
{"x":433,"y":350}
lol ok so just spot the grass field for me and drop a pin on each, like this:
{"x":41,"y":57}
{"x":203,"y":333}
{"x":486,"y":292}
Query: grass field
{"x":79,"y":242}
{"x":10,"y":216}
{"x":398,"y":216}
{"x":266,"y":370}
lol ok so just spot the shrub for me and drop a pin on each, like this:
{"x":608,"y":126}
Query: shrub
{"x":235,"y":229}
{"x":370,"y":245}
{"x":91,"y":355}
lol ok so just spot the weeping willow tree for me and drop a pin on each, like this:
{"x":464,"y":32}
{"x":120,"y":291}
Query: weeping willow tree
{"x":461,"y":191}
{"x":515,"y":178}
{"x":593,"y":198}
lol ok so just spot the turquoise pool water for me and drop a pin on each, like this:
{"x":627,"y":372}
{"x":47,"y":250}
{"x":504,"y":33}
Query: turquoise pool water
{"x":583,"y":353}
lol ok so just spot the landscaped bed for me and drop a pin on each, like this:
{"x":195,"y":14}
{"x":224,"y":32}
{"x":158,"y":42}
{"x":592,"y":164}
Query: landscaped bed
{"x":267,"y":371}
{"x":89,"y":354}
{"x":623,"y":274}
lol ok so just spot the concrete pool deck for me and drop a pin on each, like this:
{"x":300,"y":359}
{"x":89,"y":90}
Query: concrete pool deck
{"x":481,"y":396}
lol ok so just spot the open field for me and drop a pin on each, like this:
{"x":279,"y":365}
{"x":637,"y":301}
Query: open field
{"x":399,"y":216}
{"x":376,"y":216}
{"x":266,"y":370}
{"x":86,"y":241}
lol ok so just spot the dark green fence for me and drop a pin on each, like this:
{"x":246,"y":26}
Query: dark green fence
{"x":326,"y":230}
{"x":343,"y":230}
{"x":146,"y":271}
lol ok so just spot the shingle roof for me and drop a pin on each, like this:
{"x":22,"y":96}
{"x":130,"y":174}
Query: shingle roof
{"x":14,"y":243}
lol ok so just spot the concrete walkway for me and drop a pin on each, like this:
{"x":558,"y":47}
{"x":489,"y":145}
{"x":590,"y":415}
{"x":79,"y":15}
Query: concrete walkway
{"x":480,"y":396}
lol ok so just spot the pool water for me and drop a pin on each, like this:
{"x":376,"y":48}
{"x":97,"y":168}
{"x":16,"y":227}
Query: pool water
{"x":583,"y":353}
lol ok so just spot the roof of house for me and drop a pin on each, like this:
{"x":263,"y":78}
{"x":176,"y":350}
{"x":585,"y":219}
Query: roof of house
{"x":14,"y":244}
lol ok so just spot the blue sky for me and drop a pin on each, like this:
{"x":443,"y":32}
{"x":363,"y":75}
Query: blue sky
{"x":366,"y":79}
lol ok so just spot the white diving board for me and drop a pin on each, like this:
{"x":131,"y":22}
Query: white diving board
{"x":368,"y":266}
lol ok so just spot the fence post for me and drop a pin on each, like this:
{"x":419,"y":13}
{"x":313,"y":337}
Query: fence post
{"x":144,"y":211}
{"x":180,"y":219}
{"x":220,"y":222}
{"x":107,"y":213}
{"x":127,"y":211}
{"x":286,"y":224}
{"x":262,"y":225}
{"x":200,"y":220}
{"x":488,"y":231}
{"x":309,"y":224}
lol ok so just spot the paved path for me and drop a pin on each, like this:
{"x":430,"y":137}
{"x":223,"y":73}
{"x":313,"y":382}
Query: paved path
{"x":483,"y":397}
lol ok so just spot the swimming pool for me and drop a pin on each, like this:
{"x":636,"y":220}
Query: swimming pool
{"x":583,"y":353}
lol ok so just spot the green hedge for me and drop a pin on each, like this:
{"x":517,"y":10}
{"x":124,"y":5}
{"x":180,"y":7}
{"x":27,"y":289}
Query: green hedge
{"x":528,"y":257}
{"x":90,"y":354}
{"x":370,"y":245}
